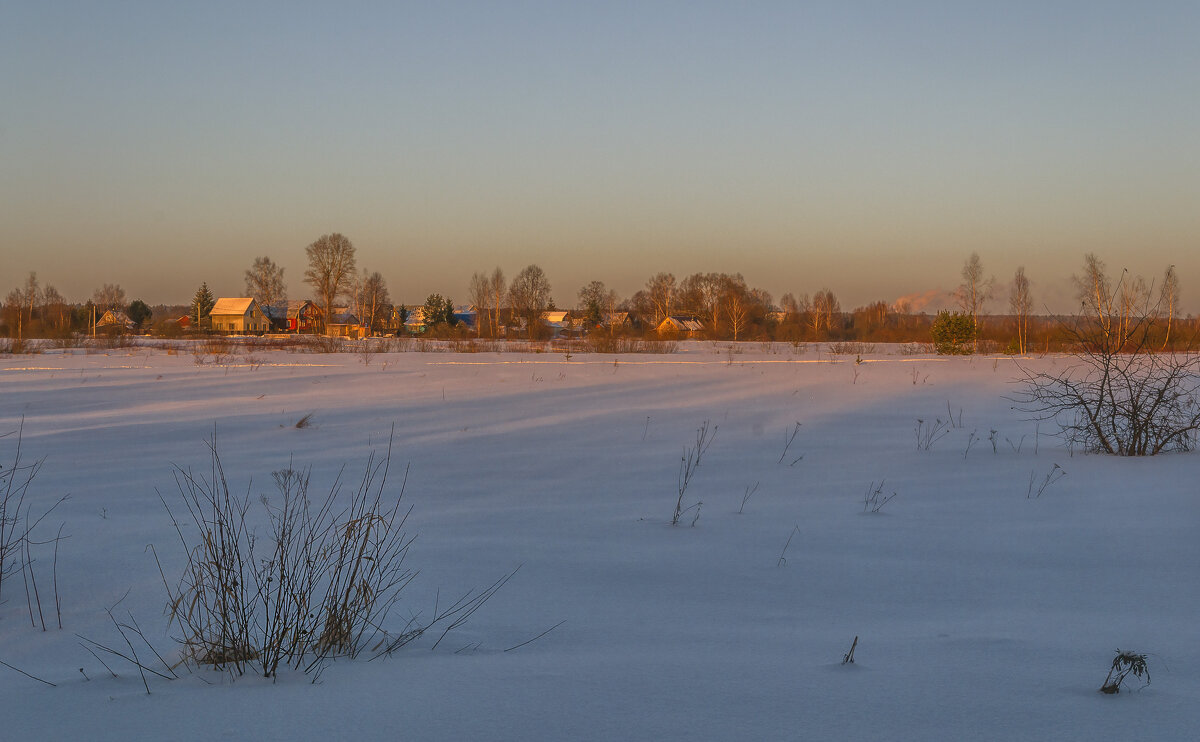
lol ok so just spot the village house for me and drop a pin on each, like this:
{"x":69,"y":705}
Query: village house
{"x":295,"y":316}
{"x":616,"y":322}
{"x":681,"y":325}
{"x":114,"y":319}
{"x":344,"y":323}
{"x":238,"y":316}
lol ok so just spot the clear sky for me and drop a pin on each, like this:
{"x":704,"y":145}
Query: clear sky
{"x":868,"y":147}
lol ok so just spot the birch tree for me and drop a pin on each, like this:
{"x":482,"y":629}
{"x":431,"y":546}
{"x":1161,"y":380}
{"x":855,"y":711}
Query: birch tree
{"x":1020,"y":302}
{"x":1169,"y":299}
{"x":499,"y":288}
{"x":974,"y":291}
{"x":661,"y":291}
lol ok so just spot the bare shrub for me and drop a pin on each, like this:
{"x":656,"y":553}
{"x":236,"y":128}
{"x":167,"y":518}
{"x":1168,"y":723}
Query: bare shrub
{"x":688,"y":465}
{"x":598,"y":342}
{"x":849,"y":348}
{"x":18,"y":531}
{"x":321,"y":584}
{"x":322,"y":344}
{"x":475,"y":345}
{"x":1119,"y":397}
{"x":19,"y":346}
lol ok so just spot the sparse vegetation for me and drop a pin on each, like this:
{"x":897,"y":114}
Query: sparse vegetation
{"x":874,"y":499}
{"x":1124,"y":665}
{"x":1056,"y":473}
{"x":688,"y":465}
{"x":18,"y":528}
{"x":746,"y":496}
{"x":1121,"y":396}
{"x":929,"y":433}
{"x":849,"y":348}
{"x":321,"y":584}
{"x":788,"y":437}
{"x":782,"y":561}
{"x":848,"y":657}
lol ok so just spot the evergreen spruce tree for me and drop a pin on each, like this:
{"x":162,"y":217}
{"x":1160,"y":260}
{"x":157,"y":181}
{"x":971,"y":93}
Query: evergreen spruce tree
{"x":202,"y":304}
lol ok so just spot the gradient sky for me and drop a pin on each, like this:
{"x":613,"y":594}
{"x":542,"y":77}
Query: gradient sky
{"x":866,"y":147}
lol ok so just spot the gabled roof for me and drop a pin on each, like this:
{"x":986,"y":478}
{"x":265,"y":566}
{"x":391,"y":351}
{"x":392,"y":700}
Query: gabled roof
{"x":238,"y":306}
{"x":682,"y":322}
{"x":114,"y":317}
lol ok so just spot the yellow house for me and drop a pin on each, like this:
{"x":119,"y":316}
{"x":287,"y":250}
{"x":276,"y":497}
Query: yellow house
{"x":238,"y":316}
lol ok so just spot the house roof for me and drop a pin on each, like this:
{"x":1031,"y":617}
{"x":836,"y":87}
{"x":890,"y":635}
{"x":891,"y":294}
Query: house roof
{"x":343,"y":316}
{"x":238,"y":306}
{"x":114,"y":317}
{"x":284,"y":309}
{"x":682,"y":322}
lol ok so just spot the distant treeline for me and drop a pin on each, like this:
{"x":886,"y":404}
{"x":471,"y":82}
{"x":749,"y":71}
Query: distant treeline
{"x":711,"y":306}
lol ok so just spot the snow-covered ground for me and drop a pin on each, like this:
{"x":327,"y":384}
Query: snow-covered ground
{"x":981,"y":613}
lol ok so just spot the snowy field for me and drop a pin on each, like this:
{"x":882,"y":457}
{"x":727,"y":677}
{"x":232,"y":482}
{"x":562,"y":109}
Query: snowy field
{"x":982,"y":613}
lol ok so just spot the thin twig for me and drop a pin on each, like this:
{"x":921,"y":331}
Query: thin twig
{"x":34,"y":677}
{"x":539,"y":636}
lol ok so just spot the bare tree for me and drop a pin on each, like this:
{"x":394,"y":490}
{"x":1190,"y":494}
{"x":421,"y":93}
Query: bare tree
{"x":661,"y":291}
{"x":1020,"y":302}
{"x":109,"y":296}
{"x":1133,"y":299}
{"x":529,"y":295}
{"x":14,"y":313}
{"x":479,"y":293}
{"x":30,"y":295}
{"x":640,"y":306}
{"x":1169,"y":300}
{"x":1094,"y":291}
{"x":487,"y":294}
{"x":55,"y":309}
{"x":596,"y":302}
{"x":499,"y":289}
{"x":974,"y":291}
{"x":737,"y":302}
{"x":264,"y":282}
{"x":822,"y":309}
{"x":702,"y":293}
{"x":331,"y":270}
{"x":790,"y":306}
{"x":373,"y":300}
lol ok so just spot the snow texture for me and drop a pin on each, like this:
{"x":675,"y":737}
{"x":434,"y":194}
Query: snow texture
{"x":981,"y":613}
